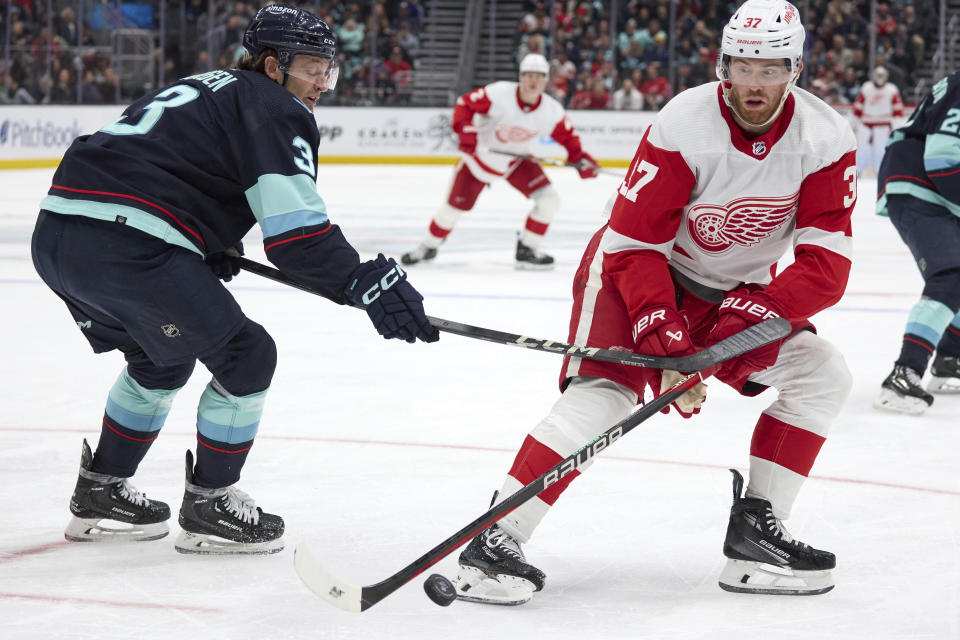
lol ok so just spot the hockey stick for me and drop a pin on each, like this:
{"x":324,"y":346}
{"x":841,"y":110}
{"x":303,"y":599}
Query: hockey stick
{"x":552,"y":162}
{"x":355,"y":598}
{"x":694,"y":362}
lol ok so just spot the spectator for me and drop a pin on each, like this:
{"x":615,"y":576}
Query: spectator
{"x":627,"y":98}
{"x":407,"y":40}
{"x":562,"y":73}
{"x":401,"y":74}
{"x":655,"y":88}
{"x":886,"y":23}
{"x":351,"y":36}
{"x":64,"y":91}
{"x":627,"y":37}
{"x":89,"y":91}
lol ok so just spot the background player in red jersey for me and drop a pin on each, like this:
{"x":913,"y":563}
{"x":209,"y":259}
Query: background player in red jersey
{"x":507,"y":117}
{"x":877,"y":108}
{"x":142,"y":218}
{"x":730,"y":177}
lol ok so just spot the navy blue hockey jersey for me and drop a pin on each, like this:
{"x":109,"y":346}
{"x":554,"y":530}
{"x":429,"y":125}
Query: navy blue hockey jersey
{"x":198,"y":163}
{"x":923,"y":157}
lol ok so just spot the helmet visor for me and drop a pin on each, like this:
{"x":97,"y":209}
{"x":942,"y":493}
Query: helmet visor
{"x":754,"y":72}
{"x":315,"y":70}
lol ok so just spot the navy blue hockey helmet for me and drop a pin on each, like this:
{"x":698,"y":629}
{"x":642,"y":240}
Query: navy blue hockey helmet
{"x":290,"y":31}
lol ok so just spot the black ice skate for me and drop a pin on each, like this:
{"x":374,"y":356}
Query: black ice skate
{"x":946,"y":374}
{"x":423,"y":253}
{"x":225,"y":521}
{"x":902,"y":392}
{"x":764,"y":557}
{"x":107,"y":508}
{"x":493,"y":570}
{"x":529,"y":258}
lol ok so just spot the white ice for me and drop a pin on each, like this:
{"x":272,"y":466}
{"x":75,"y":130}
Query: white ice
{"x":375,"y":451}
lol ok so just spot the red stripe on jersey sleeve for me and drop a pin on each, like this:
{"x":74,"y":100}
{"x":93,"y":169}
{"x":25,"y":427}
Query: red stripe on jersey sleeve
{"x":818,"y":276}
{"x":651,"y":198}
{"x":468,"y":104}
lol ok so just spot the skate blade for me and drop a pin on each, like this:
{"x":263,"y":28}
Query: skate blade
{"x":742,"y":576}
{"x":944,"y":385}
{"x":210,"y":545}
{"x":106,"y":530}
{"x":473,"y":585}
{"x":890,"y":401}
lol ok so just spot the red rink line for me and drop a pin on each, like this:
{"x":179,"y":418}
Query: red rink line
{"x":108,"y":603}
{"x":29,"y":551}
{"x":463,"y":447}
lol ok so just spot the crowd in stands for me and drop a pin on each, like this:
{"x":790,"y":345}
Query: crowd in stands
{"x":52,"y":57}
{"x":594,"y":66}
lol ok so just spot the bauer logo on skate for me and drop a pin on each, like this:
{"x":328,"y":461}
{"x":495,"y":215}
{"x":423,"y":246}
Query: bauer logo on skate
{"x":745,"y":221}
{"x":581,"y":457}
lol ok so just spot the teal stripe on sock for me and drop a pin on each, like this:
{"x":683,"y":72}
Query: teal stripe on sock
{"x":227,"y":418}
{"x":929,"y":319}
{"x":136,"y":407}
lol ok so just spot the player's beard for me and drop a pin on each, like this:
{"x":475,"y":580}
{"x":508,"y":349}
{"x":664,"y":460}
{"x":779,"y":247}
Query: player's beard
{"x":755,"y":116}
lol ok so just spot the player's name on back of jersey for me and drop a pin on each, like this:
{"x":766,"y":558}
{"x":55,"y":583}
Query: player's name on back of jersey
{"x":214,"y":80}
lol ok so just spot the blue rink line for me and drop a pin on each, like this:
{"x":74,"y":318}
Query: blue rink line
{"x":483,"y":296}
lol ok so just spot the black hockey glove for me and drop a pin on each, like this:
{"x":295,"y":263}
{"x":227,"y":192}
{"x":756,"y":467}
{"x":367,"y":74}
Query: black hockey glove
{"x":226,"y":264}
{"x":396,"y":309}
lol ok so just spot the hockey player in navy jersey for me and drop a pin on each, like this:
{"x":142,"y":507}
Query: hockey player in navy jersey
{"x":731,"y":176}
{"x":919,"y":188}
{"x":141,"y":219}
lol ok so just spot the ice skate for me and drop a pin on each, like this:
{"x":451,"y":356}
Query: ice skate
{"x":946,"y":374}
{"x":107,"y":508}
{"x":764,"y":558}
{"x":423,"y":253}
{"x":493,"y":570}
{"x":225,"y":521}
{"x":902,"y":392}
{"x":529,"y":258}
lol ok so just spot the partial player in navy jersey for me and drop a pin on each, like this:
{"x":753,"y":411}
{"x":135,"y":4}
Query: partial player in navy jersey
{"x":142,"y":218}
{"x":919,"y":188}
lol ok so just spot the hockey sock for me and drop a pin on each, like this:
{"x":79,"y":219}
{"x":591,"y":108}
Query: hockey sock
{"x":546,"y":203}
{"x":926,"y":324}
{"x":950,"y":341}
{"x":442,"y":224}
{"x":226,"y":427}
{"x":131,"y":422}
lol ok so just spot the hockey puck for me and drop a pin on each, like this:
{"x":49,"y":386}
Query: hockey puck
{"x":440,"y":590}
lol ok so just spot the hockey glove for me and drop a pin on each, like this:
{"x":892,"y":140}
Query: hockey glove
{"x":396,"y":309}
{"x":468,"y":140}
{"x":742,"y":308}
{"x":663,"y":331}
{"x":226,"y":264}
{"x":587,"y":167}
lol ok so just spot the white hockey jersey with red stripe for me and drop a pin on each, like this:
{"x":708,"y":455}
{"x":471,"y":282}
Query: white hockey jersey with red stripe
{"x":722,"y":209}
{"x":504,"y":123}
{"x":878,"y":105}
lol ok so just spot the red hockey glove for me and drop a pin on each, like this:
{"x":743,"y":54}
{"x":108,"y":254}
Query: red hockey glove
{"x":587,"y":167}
{"x":742,"y":308}
{"x":663,"y":331}
{"x":468,"y":140}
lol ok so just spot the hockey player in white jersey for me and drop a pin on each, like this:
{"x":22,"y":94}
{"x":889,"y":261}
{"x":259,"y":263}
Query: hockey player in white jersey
{"x":731,"y":176}
{"x":492,"y":121}
{"x":877,"y":108}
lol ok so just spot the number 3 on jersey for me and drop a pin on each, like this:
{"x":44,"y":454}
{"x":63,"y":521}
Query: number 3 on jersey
{"x":175,"y":96}
{"x":643,"y":172}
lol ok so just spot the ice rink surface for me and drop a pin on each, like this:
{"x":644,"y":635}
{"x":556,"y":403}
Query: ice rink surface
{"x":376,"y":451}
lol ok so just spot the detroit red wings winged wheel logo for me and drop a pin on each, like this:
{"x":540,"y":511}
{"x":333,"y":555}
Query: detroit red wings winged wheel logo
{"x":509,"y":133}
{"x":745,"y":221}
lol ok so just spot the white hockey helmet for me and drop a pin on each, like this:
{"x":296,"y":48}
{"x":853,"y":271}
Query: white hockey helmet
{"x":534,"y":63}
{"x":766,"y":30}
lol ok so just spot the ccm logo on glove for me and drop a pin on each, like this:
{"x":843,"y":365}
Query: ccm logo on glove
{"x":749,"y":307}
{"x":390,"y":278}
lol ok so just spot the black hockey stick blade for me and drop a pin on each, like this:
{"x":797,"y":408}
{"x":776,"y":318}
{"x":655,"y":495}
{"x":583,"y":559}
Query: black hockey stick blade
{"x":695,"y":362}
{"x":355,"y":598}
